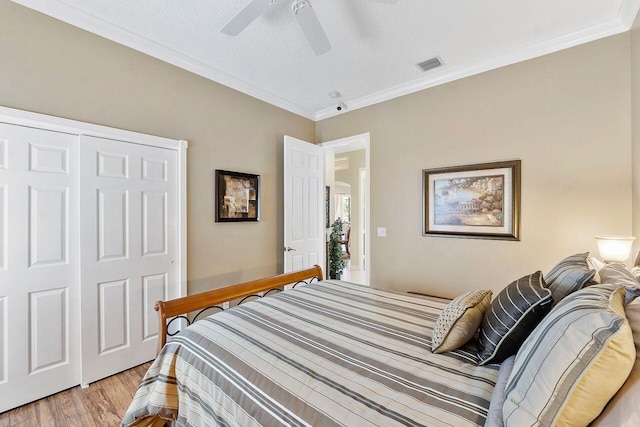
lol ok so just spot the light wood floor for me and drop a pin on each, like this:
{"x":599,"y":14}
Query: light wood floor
{"x":354,"y":274}
{"x":102,"y":404}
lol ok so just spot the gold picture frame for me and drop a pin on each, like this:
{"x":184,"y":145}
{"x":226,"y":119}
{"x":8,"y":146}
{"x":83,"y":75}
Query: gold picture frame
{"x":479,"y":201}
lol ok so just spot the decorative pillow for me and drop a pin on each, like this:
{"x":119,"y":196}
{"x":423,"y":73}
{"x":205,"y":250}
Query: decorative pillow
{"x":573,"y":363}
{"x":595,"y":264}
{"x":513,"y":314}
{"x":571,"y":274}
{"x":494,"y":414}
{"x":460,"y":320}
{"x":622,"y":410}
{"x":617,"y":274}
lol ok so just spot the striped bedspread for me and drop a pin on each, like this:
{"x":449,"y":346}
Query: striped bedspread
{"x":326,"y":354}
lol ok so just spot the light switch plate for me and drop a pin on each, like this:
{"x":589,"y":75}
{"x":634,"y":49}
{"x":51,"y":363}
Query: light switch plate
{"x":382,"y":231}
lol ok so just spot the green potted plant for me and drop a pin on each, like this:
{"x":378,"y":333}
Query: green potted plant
{"x":336,"y":261}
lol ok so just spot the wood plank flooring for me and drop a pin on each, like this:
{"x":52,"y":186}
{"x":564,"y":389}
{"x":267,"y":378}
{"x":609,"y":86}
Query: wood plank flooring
{"x":102,"y":404}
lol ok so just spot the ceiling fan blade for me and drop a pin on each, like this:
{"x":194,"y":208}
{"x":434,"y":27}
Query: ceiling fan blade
{"x":312,"y":28}
{"x":247,"y":16}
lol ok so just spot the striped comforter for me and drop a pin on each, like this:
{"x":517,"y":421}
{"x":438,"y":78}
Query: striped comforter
{"x":326,"y":354}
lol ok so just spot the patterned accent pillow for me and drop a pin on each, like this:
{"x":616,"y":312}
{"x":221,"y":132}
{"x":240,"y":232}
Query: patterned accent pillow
{"x":460,"y":320}
{"x":513,"y":314}
{"x":622,"y":408}
{"x":573,"y":363}
{"x":571,"y":274}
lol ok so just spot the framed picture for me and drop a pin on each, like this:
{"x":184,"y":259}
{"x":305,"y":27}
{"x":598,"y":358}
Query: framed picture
{"x":327,"y":207}
{"x":474,"y":201}
{"x":237,"y":196}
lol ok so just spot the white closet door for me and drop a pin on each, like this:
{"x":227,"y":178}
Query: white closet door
{"x":39,"y":329}
{"x":129,"y":226}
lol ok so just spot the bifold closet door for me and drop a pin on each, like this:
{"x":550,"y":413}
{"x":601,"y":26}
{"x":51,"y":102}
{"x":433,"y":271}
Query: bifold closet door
{"x":129,"y":228}
{"x":39,"y":315}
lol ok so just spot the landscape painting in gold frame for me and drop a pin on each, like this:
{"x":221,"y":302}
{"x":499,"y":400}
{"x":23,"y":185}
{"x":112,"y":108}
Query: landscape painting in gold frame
{"x":480,"y":201}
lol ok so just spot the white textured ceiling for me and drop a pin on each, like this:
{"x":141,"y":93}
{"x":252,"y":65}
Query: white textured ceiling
{"x":375,"y":46}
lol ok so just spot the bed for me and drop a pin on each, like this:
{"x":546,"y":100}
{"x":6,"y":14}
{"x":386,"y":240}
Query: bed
{"x":323,"y":353}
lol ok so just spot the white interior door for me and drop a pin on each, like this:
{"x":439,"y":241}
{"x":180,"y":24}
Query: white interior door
{"x":39,"y":339}
{"x":304,"y":239}
{"x":129,"y":223}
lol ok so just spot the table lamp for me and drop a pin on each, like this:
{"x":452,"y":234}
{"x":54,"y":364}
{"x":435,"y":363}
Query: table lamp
{"x":614,"y":248}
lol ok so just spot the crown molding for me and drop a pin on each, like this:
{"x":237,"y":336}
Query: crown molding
{"x":56,"y":9}
{"x":448,"y":73}
{"x":628,"y":12}
{"x":117,"y":34}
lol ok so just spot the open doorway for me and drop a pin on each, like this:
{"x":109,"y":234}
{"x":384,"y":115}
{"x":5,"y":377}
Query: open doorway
{"x":346,"y":174}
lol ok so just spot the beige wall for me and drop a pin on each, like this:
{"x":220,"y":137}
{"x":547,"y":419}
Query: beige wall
{"x":53,"y":68}
{"x":635,"y":120}
{"x":567,"y":116}
{"x":351,"y":176}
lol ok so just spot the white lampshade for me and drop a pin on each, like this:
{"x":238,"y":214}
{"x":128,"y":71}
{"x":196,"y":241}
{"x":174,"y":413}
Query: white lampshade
{"x":615,"y":248}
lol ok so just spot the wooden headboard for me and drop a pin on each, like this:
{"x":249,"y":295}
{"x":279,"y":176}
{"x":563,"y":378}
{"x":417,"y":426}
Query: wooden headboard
{"x":179,"y":308}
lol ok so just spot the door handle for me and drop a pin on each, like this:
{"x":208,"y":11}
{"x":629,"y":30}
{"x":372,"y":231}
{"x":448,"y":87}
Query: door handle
{"x":288,"y":249}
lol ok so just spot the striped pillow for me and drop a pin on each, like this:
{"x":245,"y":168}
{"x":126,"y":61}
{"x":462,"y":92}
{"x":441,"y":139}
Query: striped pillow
{"x":617,"y":274}
{"x":514,"y":313}
{"x":571,"y":274}
{"x":622,"y":408}
{"x":573,"y":363}
{"x":459,"y":321}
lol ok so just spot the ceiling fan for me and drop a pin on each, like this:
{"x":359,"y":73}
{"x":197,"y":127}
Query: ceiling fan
{"x":304,"y":13}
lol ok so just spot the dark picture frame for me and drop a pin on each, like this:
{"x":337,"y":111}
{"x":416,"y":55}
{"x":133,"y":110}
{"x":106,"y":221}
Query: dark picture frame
{"x":479,"y":201}
{"x":237,"y":196}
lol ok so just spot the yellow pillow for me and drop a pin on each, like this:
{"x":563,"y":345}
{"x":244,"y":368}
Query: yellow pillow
{"x":573,"y":362}
{"x":459,"y":321}
{"x":622,"y":410}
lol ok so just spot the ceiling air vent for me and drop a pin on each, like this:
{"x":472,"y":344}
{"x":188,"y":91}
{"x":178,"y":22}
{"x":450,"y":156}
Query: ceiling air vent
{"x":429,"y":64}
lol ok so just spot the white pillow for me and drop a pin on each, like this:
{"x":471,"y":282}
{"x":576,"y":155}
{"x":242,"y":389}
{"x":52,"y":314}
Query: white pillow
{"x":595,"y":264}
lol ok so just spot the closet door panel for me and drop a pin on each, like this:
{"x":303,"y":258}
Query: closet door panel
{"x":3,"y":227}
{"x":154,"y":288}
{"x":113,"y":223}
{"x":154,"y":221}
{"x":48,"y":329}
{"x":132,"y":251}
{"x":39,"y":264}
{"x":113,"y":315}
{"x":48,"y":225}
{"x":4,"y":345}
